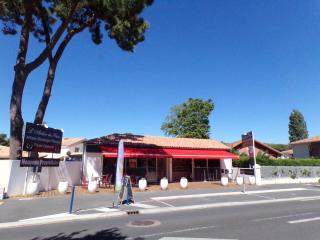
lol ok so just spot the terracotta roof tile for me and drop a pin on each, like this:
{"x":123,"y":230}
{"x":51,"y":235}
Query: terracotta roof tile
{"x":307,"y":140}
{"x":157,"y":141}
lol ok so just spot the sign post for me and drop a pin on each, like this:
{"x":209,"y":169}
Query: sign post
{"x":248,"y":141}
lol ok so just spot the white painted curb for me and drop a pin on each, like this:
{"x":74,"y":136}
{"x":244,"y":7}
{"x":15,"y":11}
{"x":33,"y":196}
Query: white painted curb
{"x":62,"y":218}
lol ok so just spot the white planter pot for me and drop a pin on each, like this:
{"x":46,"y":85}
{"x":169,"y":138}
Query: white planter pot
{"x":142,"y":184}
{"x":63,"y":187}
{"x":252,"y":180}
{"x":239,"y":180}
{"x":32,"y":188}
{"x":92,"y":186}
{"x":164,"y":183}
{"x":183,"y":183}
{"x":224,"y":181}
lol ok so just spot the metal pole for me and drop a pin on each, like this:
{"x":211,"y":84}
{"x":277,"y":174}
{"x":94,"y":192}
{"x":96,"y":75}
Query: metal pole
{"x":71,"y":200}
{"x":254,"y":158}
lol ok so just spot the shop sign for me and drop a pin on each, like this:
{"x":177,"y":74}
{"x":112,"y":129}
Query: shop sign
{"x":25,"y":162}
{"x":39,"y":138}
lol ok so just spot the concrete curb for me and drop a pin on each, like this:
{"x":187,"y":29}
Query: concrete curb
{"x":69,"y":218}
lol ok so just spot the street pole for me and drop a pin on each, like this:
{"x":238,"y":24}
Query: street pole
{"x":254,"y":158}
{"x":71,"y":200}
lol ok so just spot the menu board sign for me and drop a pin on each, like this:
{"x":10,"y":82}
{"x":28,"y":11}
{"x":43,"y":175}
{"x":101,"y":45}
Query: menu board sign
{"x":39,"y":138}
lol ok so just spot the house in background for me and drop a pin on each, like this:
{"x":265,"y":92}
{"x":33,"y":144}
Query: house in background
{"x":71,"y":150}
{"x":4,"y":152}
{"x":287,"y":153}
{"x":306,"y":148}
{"x":260,"y":148}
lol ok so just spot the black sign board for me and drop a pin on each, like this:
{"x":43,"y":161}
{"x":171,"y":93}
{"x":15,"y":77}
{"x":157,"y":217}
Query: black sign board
{"x":39,"y":162}
{"x":247,"y":139}
{"x":39,"y":138}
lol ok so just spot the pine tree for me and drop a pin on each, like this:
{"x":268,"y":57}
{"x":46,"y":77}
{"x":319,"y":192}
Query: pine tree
{"x":297,"y":126}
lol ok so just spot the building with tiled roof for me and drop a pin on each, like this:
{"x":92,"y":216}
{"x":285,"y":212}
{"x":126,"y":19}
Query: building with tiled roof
{"x":154,"y":157}
{"x":306,"y":148}
{"x":260,"y":148}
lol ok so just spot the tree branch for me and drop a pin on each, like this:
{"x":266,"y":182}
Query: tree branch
{"x":44,"y":54}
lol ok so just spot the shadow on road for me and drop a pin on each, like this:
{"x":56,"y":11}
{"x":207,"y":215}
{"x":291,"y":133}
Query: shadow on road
{"x":112,"y":233}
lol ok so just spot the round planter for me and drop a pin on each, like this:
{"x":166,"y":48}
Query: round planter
{"x":92,"y":186}
{"x":239,"y":180}
{"x":32,"y":188}
{"x":252,"y":180}
{"x":183,"y":183}
{"x":63,"y":187}
{"x":224,"y":181}
{"x":164,"y":183}
{"x":142,"y":184}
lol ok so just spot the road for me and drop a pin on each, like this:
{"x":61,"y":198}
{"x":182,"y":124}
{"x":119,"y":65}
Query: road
{"x":298,"y":217}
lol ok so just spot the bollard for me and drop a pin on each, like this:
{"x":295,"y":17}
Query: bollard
{"x":244,"y":185}
{"x":71,"y":200}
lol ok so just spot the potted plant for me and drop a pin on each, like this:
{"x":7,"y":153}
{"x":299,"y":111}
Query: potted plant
{"x":164,"y":183}
{"x":183,"y":183}
{"x":239,"y":180}
{"x":33,"y":185}
{"x":63,"y":186}
{"x":142,"y":184}
{"x":224,"y":181}
{"x":92,"y":185}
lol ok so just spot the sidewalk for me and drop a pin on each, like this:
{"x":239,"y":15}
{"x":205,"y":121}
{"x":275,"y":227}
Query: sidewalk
{"x":92,"y":206}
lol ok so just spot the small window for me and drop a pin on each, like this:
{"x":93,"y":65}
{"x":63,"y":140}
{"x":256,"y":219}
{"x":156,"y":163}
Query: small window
{"x":76,"y":149}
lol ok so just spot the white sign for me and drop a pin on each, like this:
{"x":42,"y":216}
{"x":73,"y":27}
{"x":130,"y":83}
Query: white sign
{"x":119,"y":171}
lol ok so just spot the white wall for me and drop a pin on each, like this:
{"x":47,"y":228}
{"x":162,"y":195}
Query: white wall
{"x":301,"y":150}
{"x":5,"y":168}
{"x":13,"y":177}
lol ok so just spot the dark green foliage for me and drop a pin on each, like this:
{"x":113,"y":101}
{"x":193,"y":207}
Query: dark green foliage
{"x":297,"y":126}
{"x":4,"y":141}
{"x":189,"y":119}
{"x":279,"y":147}
{"x":120,"y":18}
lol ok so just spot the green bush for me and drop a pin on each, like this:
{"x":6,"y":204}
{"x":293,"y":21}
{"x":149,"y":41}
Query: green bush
{"x":265,"y":160}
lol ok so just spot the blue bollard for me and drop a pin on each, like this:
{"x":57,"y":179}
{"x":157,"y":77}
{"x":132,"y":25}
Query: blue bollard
{"x":71,"y":200}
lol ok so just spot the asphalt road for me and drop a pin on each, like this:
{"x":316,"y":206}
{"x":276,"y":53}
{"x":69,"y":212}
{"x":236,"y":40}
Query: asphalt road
{"x":280,"y":220}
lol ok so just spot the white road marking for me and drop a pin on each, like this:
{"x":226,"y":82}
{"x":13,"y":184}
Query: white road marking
{"x":222,"y":204}
{"x":141,"y":205}
{"x":184,"y":238}
{"x":280,"y":217}
{"x":172,"y":232}
{"x":164,"y":203}
{"x":256,"y":195}
{"x":25,"y":199}
{"x":228,"y":193}
{"x":304,"y":220}
{"x":311,"y":199}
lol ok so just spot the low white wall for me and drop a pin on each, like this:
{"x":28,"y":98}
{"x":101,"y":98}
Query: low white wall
{"x":5,"y":168}
{"x":13,"y":177}
{"x":287,"y":180}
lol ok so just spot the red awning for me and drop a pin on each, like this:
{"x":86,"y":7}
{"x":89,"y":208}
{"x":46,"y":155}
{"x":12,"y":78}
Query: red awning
{"x":129,"y":152}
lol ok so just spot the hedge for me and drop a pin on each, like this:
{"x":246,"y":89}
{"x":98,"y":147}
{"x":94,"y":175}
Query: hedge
{"x":264,"y":160}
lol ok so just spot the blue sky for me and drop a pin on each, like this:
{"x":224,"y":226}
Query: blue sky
{"x":257,"y":60}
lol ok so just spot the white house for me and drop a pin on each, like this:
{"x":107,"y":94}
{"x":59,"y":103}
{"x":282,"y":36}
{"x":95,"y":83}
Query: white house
{"x":306,"y":148}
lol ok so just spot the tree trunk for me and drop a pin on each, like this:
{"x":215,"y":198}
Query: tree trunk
{"x":16,"y":120}
{"x":21,"y":74}
{"x":46,"y":94}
